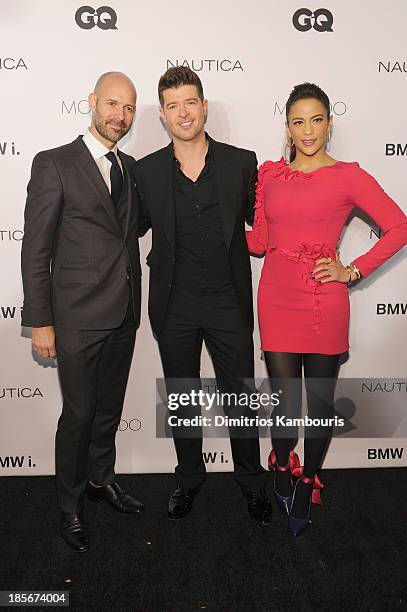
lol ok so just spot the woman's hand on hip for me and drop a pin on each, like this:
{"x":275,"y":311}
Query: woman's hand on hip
{"x":327,"y":270}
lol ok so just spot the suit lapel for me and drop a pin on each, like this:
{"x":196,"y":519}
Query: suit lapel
{"x":226,"y":184}
{"x":168,"y":211}
{"x":88,"y":168}
{"x":129,"y":199}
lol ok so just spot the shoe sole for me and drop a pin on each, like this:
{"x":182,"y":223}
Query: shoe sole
{"x":79,"y":552}
{"x":177,"y":518}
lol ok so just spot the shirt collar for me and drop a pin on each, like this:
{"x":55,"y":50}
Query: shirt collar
{"x":96,"y":148}
{"x":209,"y":153}
{"x":210,"y":147}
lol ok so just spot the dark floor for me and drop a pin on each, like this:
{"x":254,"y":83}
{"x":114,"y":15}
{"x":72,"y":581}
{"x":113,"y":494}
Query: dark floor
{"x":352,"y":557}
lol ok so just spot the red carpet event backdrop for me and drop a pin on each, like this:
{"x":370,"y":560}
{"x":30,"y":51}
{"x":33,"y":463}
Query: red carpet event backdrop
{"x":249,"y":56}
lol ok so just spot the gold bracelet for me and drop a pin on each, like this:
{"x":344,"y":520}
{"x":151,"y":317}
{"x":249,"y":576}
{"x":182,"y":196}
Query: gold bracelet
{"x":356,"y":270}
{"x":352,"y":268}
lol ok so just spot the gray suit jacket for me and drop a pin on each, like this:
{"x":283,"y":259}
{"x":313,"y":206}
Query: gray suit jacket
{"x":77,"y":249}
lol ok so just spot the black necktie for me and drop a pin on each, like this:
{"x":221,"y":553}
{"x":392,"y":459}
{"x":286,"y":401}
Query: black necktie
{"x":116,"y":178}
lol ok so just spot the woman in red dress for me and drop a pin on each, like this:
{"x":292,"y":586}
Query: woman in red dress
{"x":303,"y":304}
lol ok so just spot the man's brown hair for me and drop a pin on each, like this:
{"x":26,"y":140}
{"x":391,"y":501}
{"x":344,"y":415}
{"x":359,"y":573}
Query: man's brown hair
{"x":177,"y":76}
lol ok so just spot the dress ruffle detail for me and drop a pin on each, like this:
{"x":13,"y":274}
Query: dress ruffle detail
{"x":307,"y":253}
{"x":255,"y":238}
{"x":281,"y":169}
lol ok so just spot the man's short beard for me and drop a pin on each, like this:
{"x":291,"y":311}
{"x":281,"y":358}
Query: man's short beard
{"x":110,"y":136}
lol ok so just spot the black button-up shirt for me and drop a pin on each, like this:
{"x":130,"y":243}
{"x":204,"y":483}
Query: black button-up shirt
{"x":201,"y":259}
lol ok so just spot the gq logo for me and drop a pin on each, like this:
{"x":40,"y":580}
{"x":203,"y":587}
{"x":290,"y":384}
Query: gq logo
{"x":321,"y":20}
{"x":104,"y":18}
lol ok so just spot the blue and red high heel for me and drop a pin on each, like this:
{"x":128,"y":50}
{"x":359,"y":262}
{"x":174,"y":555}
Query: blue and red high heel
{"x":298,"y":525}
{"x":284,"y":502}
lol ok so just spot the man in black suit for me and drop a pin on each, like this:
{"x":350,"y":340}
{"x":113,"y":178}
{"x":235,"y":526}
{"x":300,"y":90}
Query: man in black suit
{"x":81,"y":279}
{"x":196,"y":194}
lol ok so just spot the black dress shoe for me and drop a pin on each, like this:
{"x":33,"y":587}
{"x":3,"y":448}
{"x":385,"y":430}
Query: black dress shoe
{"x":259,"y":507}
{"x":116,"y":497}
{"x":74,"y":532}
{"x":179,"y":505}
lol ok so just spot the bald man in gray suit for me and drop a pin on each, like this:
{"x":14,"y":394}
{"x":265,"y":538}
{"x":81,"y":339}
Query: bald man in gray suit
{"x":81,"y":278}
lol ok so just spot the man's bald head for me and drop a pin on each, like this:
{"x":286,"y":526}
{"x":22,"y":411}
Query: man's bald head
{"x":111,"y":79}
{"x":113,"y":104}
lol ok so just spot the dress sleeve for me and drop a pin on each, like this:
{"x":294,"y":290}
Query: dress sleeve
{"x":366,"y":193}
{"x":257,"y":238}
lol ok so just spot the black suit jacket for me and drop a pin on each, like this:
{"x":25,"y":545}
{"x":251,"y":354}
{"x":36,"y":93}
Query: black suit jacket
{"x":76,"y":255}
{"x":236,"y":172}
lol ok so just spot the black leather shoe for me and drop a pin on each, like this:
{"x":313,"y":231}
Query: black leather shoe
{"x":259,"y":507}
{"x":74,"y":532}
{"x":179,"y":505}
{"x":116,"y":497}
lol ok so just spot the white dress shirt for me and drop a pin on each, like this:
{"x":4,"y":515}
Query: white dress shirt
{"x":98,"y":152}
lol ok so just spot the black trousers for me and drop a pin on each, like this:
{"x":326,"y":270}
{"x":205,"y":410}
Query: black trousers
{"x":93,"y":371}
{"x":217,"y":321}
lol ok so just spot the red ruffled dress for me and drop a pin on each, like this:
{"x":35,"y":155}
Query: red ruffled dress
{"x":298,"y":219}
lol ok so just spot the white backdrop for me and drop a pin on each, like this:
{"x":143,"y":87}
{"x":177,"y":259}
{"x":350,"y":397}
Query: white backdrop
{"x":249,"y":56}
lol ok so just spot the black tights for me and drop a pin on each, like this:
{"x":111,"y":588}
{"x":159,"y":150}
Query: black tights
{"x":320,"y":371}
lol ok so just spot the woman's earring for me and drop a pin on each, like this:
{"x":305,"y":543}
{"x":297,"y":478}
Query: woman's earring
{"x":289,"y":143}
{"x":328,"y":140}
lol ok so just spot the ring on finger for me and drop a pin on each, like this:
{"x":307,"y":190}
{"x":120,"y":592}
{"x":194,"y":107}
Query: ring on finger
{"x":329,"y":260}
